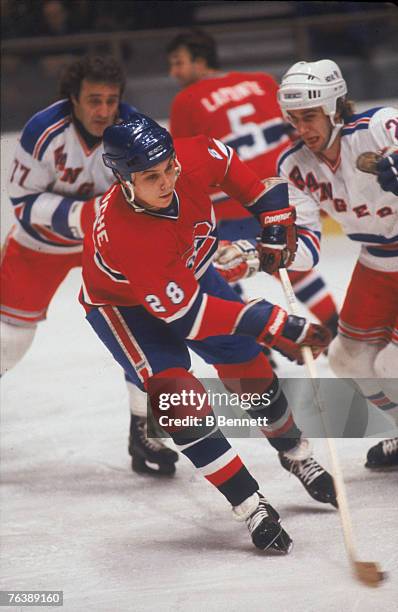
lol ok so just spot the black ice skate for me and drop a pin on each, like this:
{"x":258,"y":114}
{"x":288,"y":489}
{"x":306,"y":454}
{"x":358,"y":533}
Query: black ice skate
{"x":317,"y":481}
{"x":149,"y":455}
{"x":264,"y":524}
{"x":383,"y":455}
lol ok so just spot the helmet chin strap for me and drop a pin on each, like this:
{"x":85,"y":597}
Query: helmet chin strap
{"x":128,"y":192}
{"x":336,"y":127}
{"x":128,"y":187}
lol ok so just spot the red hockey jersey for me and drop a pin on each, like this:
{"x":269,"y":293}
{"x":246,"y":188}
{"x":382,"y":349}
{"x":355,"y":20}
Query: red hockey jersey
{"x":155,"y":259}
{"x":241,"y":110}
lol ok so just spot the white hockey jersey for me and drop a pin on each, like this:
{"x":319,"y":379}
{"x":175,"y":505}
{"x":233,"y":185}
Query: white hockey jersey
{"x":366,"y":213}
{"x":52,"y":172}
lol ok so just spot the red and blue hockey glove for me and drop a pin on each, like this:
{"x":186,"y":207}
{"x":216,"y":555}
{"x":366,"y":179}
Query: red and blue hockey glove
{"x":236,"y":260}
{"x":387,"y":173}
{"x":278,"y":242}
{"x":288,"y":334}
{"x":297,"y":333}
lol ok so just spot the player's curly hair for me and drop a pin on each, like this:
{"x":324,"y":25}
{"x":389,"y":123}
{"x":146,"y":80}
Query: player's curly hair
{"x":199,"y":44}
{"x":345,"y":108}
{"x":94,"y":68}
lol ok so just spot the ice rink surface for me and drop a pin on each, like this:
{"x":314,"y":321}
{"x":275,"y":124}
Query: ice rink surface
{"x":75,"y":518}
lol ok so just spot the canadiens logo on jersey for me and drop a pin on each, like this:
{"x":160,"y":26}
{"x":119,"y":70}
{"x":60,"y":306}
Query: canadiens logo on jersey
{"x":178,"y":242}
{"x":204,"y":243}
{"x":214,"y":153}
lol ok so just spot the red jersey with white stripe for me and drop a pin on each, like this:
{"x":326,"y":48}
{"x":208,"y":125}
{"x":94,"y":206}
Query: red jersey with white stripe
{"x":155,"y":259}
{"x":241,"y":110}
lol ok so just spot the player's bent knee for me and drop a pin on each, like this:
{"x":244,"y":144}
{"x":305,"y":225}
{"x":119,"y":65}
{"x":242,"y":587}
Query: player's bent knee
{"x":15,"y":341}
{"x":256,"y":374}
{"x":177,"y":398}
{"x":351,"y":359}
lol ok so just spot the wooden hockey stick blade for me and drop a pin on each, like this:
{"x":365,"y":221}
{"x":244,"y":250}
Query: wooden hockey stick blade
{"x":369,"y":573}
{"x":366,"y":162}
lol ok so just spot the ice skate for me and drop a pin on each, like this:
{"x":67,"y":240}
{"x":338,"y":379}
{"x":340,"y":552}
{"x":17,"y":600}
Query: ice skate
{"x":263,"y":523}
{"x":149,"y":455}
{"x":383,"y":455}
{"x":317,"y":481}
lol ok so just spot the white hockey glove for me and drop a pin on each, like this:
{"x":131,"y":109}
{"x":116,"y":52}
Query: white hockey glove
{"x":82,"y":215}
{"x":236,"y":260}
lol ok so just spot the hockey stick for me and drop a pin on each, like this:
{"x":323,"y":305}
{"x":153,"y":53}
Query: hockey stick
{"x":367,"y":572}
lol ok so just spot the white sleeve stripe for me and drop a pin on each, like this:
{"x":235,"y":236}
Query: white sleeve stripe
{"x":198,"y":319}
{"x":257,"y":198}
{"x":242,"y":312}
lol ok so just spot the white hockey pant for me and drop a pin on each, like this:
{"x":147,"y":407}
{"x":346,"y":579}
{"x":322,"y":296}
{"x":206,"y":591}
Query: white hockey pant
{"x":369,"y":365}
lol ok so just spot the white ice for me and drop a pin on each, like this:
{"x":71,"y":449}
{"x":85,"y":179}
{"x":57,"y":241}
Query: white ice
{"x":75,"y":518}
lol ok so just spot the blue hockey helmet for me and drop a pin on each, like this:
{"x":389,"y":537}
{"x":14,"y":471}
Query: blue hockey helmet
{"x":135,"y":145}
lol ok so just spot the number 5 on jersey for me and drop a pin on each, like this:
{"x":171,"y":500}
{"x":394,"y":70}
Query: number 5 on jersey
{"x":250,"y":139}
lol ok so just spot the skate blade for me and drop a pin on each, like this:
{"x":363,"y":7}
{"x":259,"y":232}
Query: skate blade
{"x":141,"y":466}
{"x":322,"y":500}
{"x":283,"y":543}
{"x":369,"y":573}
{"x":381,"y":468}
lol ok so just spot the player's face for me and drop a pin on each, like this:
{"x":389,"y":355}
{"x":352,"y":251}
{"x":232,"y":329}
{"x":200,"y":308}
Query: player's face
{"x":97,"y":106}
{"x":153,"y":188}
{"x":183,"y":68}
{"x":313,"y":126}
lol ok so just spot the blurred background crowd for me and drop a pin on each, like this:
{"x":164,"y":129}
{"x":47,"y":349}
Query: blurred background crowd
{"x":40,"y":36}
{"x":24,"y":18}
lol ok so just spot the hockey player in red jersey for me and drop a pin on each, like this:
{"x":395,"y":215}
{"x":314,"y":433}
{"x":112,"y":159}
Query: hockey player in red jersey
{"x":55,"y":180}
{"x":149,"y":311}
{"x":240,"y":109}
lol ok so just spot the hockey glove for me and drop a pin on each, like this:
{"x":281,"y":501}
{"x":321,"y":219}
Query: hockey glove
{"x":273,"y":327}
{"x":73,"y":218}
{"x":299,"y":332}
{"x":236,"y":260}
{"x":387,"y":173}
{"x":278,"y":242}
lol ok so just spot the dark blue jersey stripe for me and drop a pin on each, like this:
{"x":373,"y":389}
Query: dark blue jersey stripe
{"x":373,"y":238}
{"x":60,"y":216}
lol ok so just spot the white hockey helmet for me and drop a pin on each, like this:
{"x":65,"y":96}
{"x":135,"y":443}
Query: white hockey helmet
{"x":312,"y":84}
